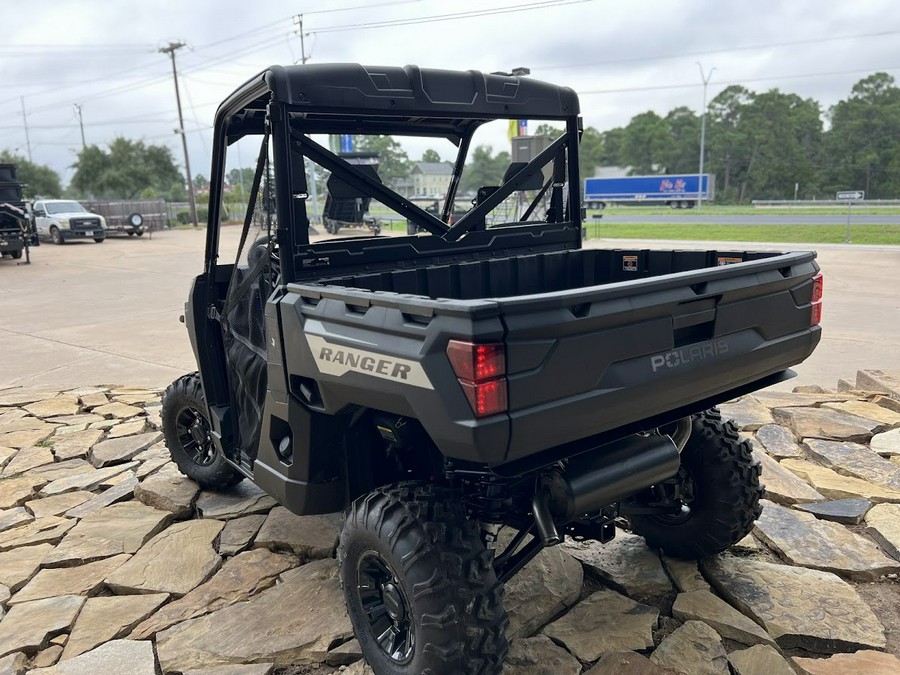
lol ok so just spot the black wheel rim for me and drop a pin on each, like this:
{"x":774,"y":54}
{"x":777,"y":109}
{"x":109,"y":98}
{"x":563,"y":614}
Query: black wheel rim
{"x":194,"y":436}
{"x":386,"y":609}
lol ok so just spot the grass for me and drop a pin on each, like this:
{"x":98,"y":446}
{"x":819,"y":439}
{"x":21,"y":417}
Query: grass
{"x":797,"y":234}
{"x":746,"y":210}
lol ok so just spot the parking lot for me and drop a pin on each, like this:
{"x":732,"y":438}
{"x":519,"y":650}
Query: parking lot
{"x":88,"y":313}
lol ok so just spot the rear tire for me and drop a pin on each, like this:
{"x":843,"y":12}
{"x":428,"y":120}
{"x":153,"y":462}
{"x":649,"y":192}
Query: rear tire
{"x":419,"y":584}
{"x":186,"y":430}
{"x":724,"y":480}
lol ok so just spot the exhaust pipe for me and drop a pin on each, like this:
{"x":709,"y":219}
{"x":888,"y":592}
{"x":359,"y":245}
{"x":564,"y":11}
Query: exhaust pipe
{"x":604,"y":476}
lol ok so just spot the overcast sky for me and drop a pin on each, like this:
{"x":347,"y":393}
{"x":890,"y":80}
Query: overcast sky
{"x":622,"y":57}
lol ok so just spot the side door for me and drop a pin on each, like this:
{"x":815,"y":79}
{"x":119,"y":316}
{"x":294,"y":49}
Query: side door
{"x":40,"y":217}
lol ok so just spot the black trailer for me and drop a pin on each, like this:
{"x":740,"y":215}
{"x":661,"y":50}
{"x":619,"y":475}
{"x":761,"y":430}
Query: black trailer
{"x":488,"y":374}
{"x":344,"y":206}
{"x":17,"y":230}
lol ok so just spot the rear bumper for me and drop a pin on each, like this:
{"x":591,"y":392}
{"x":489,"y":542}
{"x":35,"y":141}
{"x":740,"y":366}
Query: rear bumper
{"x":631,"y":391}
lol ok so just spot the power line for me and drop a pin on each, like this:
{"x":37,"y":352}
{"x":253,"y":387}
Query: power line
{"x":745,"y":80}
{"x":75,"y":47}
{"x":508,"y":9}
{"x":723,"y":50}
{"x":80,"y":83}
{"x":369,"y":6}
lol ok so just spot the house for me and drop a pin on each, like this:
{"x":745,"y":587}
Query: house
{"x":430,"y":179}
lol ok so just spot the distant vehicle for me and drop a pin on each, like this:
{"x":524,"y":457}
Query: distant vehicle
{"x":16,"y":225}
{"x":343,"y":207}
{"x":679,"y":192}
{"x":65,"y":219}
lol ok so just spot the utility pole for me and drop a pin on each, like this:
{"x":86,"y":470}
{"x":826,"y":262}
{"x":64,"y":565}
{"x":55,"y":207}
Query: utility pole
{"x":311,"y":168}
{"x":170,"y":50}
{"x":298,"y":21}
{"x":80,"y":124}
{"x":705,"y":78}
{"x":25,"y":120}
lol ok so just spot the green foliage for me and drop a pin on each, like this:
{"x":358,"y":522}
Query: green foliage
{"x":647,"y":140}
{"x":126,"y":170}
{"x":393,"y":162}
{"x":241,"y":179}
{"x":552,"y":130}
{"x":39,"y":180}
{"x":484,"y":168}
{"x":184,"y":217}
{"x":431,"y":156}
{"x":760,"y":145}
{"x":864,"y":140}
{"x":799,"y":234}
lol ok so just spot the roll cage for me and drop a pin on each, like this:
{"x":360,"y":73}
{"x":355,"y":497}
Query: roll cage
{"x":295,"y":102}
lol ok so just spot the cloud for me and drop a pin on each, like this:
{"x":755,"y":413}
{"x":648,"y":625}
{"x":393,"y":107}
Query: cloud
{"x":640,"y":55}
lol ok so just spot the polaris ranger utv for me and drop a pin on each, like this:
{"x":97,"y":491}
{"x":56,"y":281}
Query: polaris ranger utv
{"x":442,"y":386}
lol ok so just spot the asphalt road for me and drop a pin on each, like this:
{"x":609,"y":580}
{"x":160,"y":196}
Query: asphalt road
{"x":88,"y":313}
{"x":752,"y":219}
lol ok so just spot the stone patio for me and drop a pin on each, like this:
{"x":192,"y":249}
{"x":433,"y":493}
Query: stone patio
{"x":111,"y":561}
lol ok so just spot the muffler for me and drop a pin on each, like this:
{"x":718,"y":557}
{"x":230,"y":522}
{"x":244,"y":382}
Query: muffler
{"x":602,"y":477}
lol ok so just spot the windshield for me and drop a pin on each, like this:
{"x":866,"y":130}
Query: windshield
{"x":64,"y":207}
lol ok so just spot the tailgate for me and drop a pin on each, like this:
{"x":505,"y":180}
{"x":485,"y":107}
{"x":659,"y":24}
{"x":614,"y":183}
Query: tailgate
{"x":588,"y":361}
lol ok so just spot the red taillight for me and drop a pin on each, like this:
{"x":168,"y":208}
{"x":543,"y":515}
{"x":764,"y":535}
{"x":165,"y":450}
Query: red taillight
{"x":816,"y":310}
{"x":476,"y":362}
{"x":486,"y":398}
{"x":480,"y":369}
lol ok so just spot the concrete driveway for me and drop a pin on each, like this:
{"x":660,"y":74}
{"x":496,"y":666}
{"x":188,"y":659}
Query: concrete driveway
{"x":88,"y":313}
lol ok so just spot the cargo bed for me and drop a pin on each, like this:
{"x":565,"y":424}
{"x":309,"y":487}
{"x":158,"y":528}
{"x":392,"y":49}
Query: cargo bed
{"x":595,"y":340}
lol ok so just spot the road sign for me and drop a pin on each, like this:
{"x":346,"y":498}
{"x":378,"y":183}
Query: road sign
{"x":851,"y":195}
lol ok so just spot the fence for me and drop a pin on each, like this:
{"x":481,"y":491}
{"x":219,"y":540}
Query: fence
{"x":179,"y":213}
{"x":116,"y":213}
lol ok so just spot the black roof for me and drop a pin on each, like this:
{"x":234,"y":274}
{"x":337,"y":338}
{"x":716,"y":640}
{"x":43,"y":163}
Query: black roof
{"x":401,"y":94}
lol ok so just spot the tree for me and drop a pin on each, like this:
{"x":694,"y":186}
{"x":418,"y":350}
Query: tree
{"x":431,"y":156}
{"x":201,"y":182}
{"x":591,"y":152}
{"x":647,"y":143}
{"x":39,"y":180}
{"x":127,"y":170}
{"x":546,"y":129}
{"x":483,"y":168}
{"x":863,"y":144}
{"x":725,"y":147}
{"x":683,"y":154}
{"x":393,"y":162}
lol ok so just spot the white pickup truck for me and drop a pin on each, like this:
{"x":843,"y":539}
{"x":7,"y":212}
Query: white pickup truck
{"x":64,"y":219}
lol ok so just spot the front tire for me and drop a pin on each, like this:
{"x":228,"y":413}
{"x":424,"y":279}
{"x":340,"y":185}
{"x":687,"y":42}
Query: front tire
{"x":56,"y":237}
{"x":15,"y":255}
{"x":722,"y":481}
{"x":419,"y":584}
{"x":187,"y":433}
{"x":99,"y":240}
